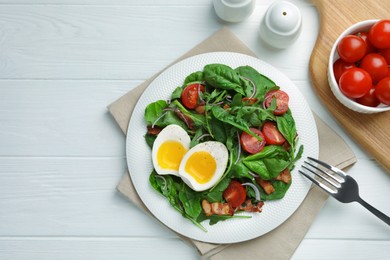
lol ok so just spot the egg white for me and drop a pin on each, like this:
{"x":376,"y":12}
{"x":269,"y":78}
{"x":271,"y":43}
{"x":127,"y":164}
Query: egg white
{"x":220,"y":154}
{"x":169,"y":133}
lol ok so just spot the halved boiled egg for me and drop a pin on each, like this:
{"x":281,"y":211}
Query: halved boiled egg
{"x":203,"y":165}
{"x":169,"y":148}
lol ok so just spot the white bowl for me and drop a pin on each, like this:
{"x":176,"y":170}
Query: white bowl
{"x":360,"y":26}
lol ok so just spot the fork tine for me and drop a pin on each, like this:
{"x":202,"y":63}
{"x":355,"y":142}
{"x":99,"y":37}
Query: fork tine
{"x":330,"y":167}
{"x":319,"y":184}
{"x":337,"y":180}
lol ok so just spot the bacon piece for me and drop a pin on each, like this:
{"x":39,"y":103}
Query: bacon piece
{"x":249,"y":207}
{"x":153,"y":130}
{"x":200,"y":109}
{"x":250,"y":101}
{"x":217,"y":208}
{"x":266,"y":185}
{"x":284,"y":176}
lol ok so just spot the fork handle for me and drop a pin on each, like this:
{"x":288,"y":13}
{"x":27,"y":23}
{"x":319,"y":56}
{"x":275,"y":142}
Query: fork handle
{"x":374,"y":211}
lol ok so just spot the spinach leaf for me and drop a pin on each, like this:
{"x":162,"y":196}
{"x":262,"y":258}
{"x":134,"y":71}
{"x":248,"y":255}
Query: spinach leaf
{"x":150,"y":139}
{"x":241,"y":171}
{"x":221,"y":76}
{"x":169,"y":187}
{"x":280,"y":191}
{"x":154,"y":110}
{"x":176,"y":93}
{"x":262,"y":83}
{"x":218,"y":130}
{"x":269,"y":162}
{"x":155,"y":114}
{"x":190,"y":201}
{"x":286,"y":125}
{"x":215,"y":194}
{"x":196,"y":76}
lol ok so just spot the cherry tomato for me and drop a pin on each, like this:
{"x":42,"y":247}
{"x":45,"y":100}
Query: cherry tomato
{"x":382,"y":91}
{"x":271,"y":134}
{"x":250,"y":144}
{"x":351,"y":48}
{"x":369,"y":47}
{"x":369,"y":99}
{"x":375,"y":65}
{"x":234,"y":194}
{"x":379,"y":34}
{"x":282,"y":99}
{"x":339,"y":66}
{"x":355,"y":83}
{"x":190,"y":95}
{"x":386,"y":54}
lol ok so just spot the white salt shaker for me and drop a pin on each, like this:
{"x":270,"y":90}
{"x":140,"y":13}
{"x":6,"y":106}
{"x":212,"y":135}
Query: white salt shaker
{"x":281,"y":24}
{"x":234,"y":10}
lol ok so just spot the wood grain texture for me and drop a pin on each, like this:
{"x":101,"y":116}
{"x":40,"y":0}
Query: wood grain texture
{"x":371,"y":131}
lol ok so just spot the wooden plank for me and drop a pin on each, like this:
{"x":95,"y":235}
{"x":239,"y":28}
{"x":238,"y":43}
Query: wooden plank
{"x":84,"y":42}
{"x":95,"y":248}
{"x":77,"y":197}
{"x":341,"y":249}
{"x":69,"y":197}
{"x":124,"y":248}
{"x":371,"y":131}
{"x":36,"y":116}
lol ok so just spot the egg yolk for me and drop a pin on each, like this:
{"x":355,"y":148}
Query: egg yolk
{"x":169,"y":155}
{"x":201,"y":166}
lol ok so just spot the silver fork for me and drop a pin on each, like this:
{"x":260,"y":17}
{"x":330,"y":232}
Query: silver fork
{"x":339,"y":185}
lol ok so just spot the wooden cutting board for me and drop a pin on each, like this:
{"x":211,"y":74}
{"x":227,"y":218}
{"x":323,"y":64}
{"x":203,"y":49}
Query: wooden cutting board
{"x":371,"y":131}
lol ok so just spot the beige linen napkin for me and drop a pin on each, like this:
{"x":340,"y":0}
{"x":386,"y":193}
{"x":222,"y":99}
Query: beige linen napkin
{"x":289,"y":234}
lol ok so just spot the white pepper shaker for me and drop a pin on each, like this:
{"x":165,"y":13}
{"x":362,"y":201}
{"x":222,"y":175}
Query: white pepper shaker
{"x":281,"y":24}
{"x":234,"y":10}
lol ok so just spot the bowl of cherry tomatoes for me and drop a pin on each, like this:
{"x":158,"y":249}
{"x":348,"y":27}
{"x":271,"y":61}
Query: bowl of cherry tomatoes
{"x":359,"y":67}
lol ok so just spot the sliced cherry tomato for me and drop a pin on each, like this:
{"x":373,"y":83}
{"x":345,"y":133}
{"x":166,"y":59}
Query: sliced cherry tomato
{"x":339,"y":66}
{"x":382,"y":91}
{"x":375,"y":65}
{"x":379,"y":34}
{"x":355,"y":83}
{"x":351,"y":48}
{"x":282,"y":99}
{"x":386,"y":54}
{"x":234,"y":194}
{"x":369,"y":99}
{"x":369,"y":47}
{"x":271,"y":134}
{"x":250,"y":143}
{"x":190,"y":95}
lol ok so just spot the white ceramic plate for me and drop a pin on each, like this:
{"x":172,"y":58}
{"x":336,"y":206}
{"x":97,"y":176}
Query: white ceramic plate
{"x":234,"y":230}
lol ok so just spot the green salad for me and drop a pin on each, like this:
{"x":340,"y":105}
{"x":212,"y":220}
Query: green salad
{"x":229,"y":144}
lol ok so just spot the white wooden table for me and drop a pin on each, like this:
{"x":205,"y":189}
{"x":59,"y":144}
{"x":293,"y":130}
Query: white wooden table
{"x":61,"y":154}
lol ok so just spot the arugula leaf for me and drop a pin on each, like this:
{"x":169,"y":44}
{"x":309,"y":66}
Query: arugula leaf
{"x":224,"y":116}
